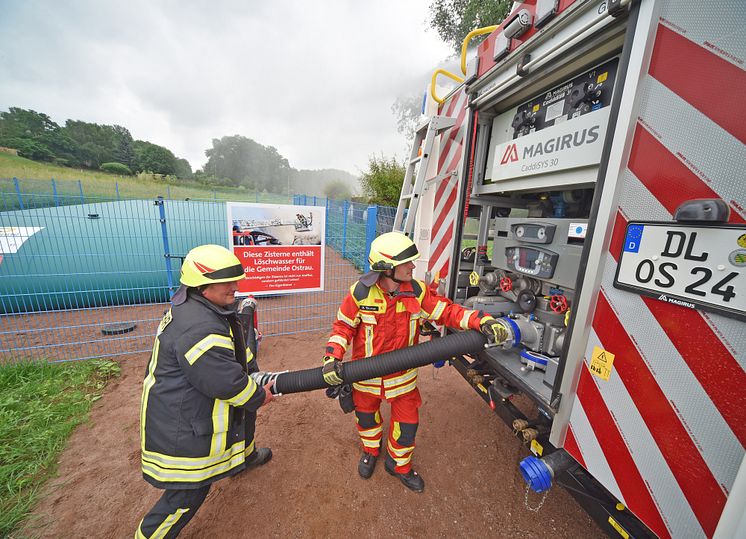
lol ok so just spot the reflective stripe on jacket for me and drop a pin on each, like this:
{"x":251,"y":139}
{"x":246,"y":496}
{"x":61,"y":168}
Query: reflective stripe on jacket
{"x":371,"y":322}
{"x":194,"y":395}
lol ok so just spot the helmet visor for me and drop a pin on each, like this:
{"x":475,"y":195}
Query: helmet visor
{"x":407,"y":254}
{"x":226,"y":273}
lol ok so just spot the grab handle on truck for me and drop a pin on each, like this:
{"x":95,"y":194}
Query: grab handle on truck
{"x":464,"y":47}
{"x":435,"y":76}
{"x":469,"y":36}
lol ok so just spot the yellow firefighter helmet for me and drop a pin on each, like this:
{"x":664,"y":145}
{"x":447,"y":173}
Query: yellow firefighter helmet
{"x":390,"y":250}
{"x":210,"y":264}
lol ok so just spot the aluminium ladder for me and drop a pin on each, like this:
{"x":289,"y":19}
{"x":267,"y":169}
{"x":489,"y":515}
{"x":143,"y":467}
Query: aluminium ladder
{"x":412,"y":190}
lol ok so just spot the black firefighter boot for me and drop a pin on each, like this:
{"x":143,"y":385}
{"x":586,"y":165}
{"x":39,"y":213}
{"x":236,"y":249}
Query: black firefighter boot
{"x":366,"y":465}
{"x":411,"y":479}
{"x":260,"y":456}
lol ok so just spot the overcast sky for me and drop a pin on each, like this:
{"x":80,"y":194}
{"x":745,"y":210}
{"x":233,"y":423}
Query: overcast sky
{"x":314,"y":79}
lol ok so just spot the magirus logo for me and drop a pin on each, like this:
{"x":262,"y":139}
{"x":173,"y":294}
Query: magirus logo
{"x":675,"y":301}
{"x":568,"y":141}
{"x":510,"y":155}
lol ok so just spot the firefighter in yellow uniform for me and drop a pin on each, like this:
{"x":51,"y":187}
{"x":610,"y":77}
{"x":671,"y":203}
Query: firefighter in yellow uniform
{"x":199,"y":401}
{"x":382,"y":313}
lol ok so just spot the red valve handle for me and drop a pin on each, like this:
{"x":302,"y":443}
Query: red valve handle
{"x":506,"y":284}
{"x":558,"y":304}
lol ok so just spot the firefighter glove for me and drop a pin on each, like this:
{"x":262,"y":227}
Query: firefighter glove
{"x":332,"y":371}
{"x":495,"y":332}
{"x":344,"y":394}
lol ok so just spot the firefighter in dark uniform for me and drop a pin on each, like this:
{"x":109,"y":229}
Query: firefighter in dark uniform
{"x":199,"y":403}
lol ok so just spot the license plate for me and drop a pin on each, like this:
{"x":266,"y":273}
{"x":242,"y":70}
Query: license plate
{"x":699,"y":267}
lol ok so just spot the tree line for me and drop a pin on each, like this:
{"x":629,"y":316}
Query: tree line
{"x":233,"y":161}
{"x":85,"y":145}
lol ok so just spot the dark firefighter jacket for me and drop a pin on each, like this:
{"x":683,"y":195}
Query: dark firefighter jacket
{"x":195,"y":395}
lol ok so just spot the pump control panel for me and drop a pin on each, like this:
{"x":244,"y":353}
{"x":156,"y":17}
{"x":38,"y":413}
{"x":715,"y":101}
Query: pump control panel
{"x":532,"y":261}
{"x":554,"y":139}
{"x":585,"y":93}
{"x":540,"y":249}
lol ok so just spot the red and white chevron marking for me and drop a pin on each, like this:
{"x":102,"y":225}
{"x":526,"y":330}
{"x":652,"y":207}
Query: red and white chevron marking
{"x":447,"y":190}
{"x":666,"y":433}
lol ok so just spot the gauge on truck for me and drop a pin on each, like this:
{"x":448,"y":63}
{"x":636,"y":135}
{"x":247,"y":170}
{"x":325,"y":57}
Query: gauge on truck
{"x":532,"y":261}
{"x":533,"y":232}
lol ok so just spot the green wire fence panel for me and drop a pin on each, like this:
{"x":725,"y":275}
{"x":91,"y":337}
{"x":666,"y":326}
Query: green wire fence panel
{"x":83,"y":277}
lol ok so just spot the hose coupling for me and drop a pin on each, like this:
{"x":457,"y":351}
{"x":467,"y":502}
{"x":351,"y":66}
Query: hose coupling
{"x":263,"y":378}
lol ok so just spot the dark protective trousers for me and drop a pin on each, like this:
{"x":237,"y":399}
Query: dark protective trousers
{"x":176,"y":508}
{"x":171,"y":513}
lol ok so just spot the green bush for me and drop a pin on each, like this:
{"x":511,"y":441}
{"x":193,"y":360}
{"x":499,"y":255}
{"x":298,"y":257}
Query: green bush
{"x":117,"y":168}
{"x":30,"y":149}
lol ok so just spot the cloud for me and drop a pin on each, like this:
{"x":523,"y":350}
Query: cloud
{"x":315,"y":80}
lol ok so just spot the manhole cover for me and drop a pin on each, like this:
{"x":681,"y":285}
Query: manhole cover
{"x":118,"y":329}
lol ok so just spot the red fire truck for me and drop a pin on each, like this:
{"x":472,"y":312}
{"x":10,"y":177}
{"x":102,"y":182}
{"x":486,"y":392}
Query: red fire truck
{"x":585,"y":182}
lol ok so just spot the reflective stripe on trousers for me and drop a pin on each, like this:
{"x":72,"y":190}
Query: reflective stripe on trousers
{"x":171,"y":513}
{"x":402,"y":428}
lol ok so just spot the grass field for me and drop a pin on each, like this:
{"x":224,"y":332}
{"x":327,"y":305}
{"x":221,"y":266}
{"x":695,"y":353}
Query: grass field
{"x":40,"y":405}
{"x":35,"y":177}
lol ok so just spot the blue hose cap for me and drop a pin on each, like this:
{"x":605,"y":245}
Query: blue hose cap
{"x":439,"y":364}
{"x":536,"y":474}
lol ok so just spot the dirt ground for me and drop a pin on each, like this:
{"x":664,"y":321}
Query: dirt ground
{"x":466,"y":454}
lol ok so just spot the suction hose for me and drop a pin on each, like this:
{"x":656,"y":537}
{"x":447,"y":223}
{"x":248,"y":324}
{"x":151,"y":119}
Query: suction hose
{"x":465,"y":342}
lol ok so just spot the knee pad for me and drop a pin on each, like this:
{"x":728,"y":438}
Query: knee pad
{"x":408,"y":431}
{"x":367,"y":420}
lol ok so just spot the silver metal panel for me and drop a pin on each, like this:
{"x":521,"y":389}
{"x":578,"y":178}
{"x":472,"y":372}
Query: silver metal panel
{"x":508,"y":363}
{"x":576,"y":178}
{"x":545,"y":10}
{"x":501,"y":47}
{"x":598,"y":249}
{"x":472,"y":68}
{"x":649,"y":460}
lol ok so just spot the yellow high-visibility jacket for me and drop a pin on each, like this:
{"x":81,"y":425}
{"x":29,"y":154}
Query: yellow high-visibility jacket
{"x":372,"y":322}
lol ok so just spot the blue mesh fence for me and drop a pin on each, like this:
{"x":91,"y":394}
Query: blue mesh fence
{"x":385,"y":219}
{"x":93,"y":279}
